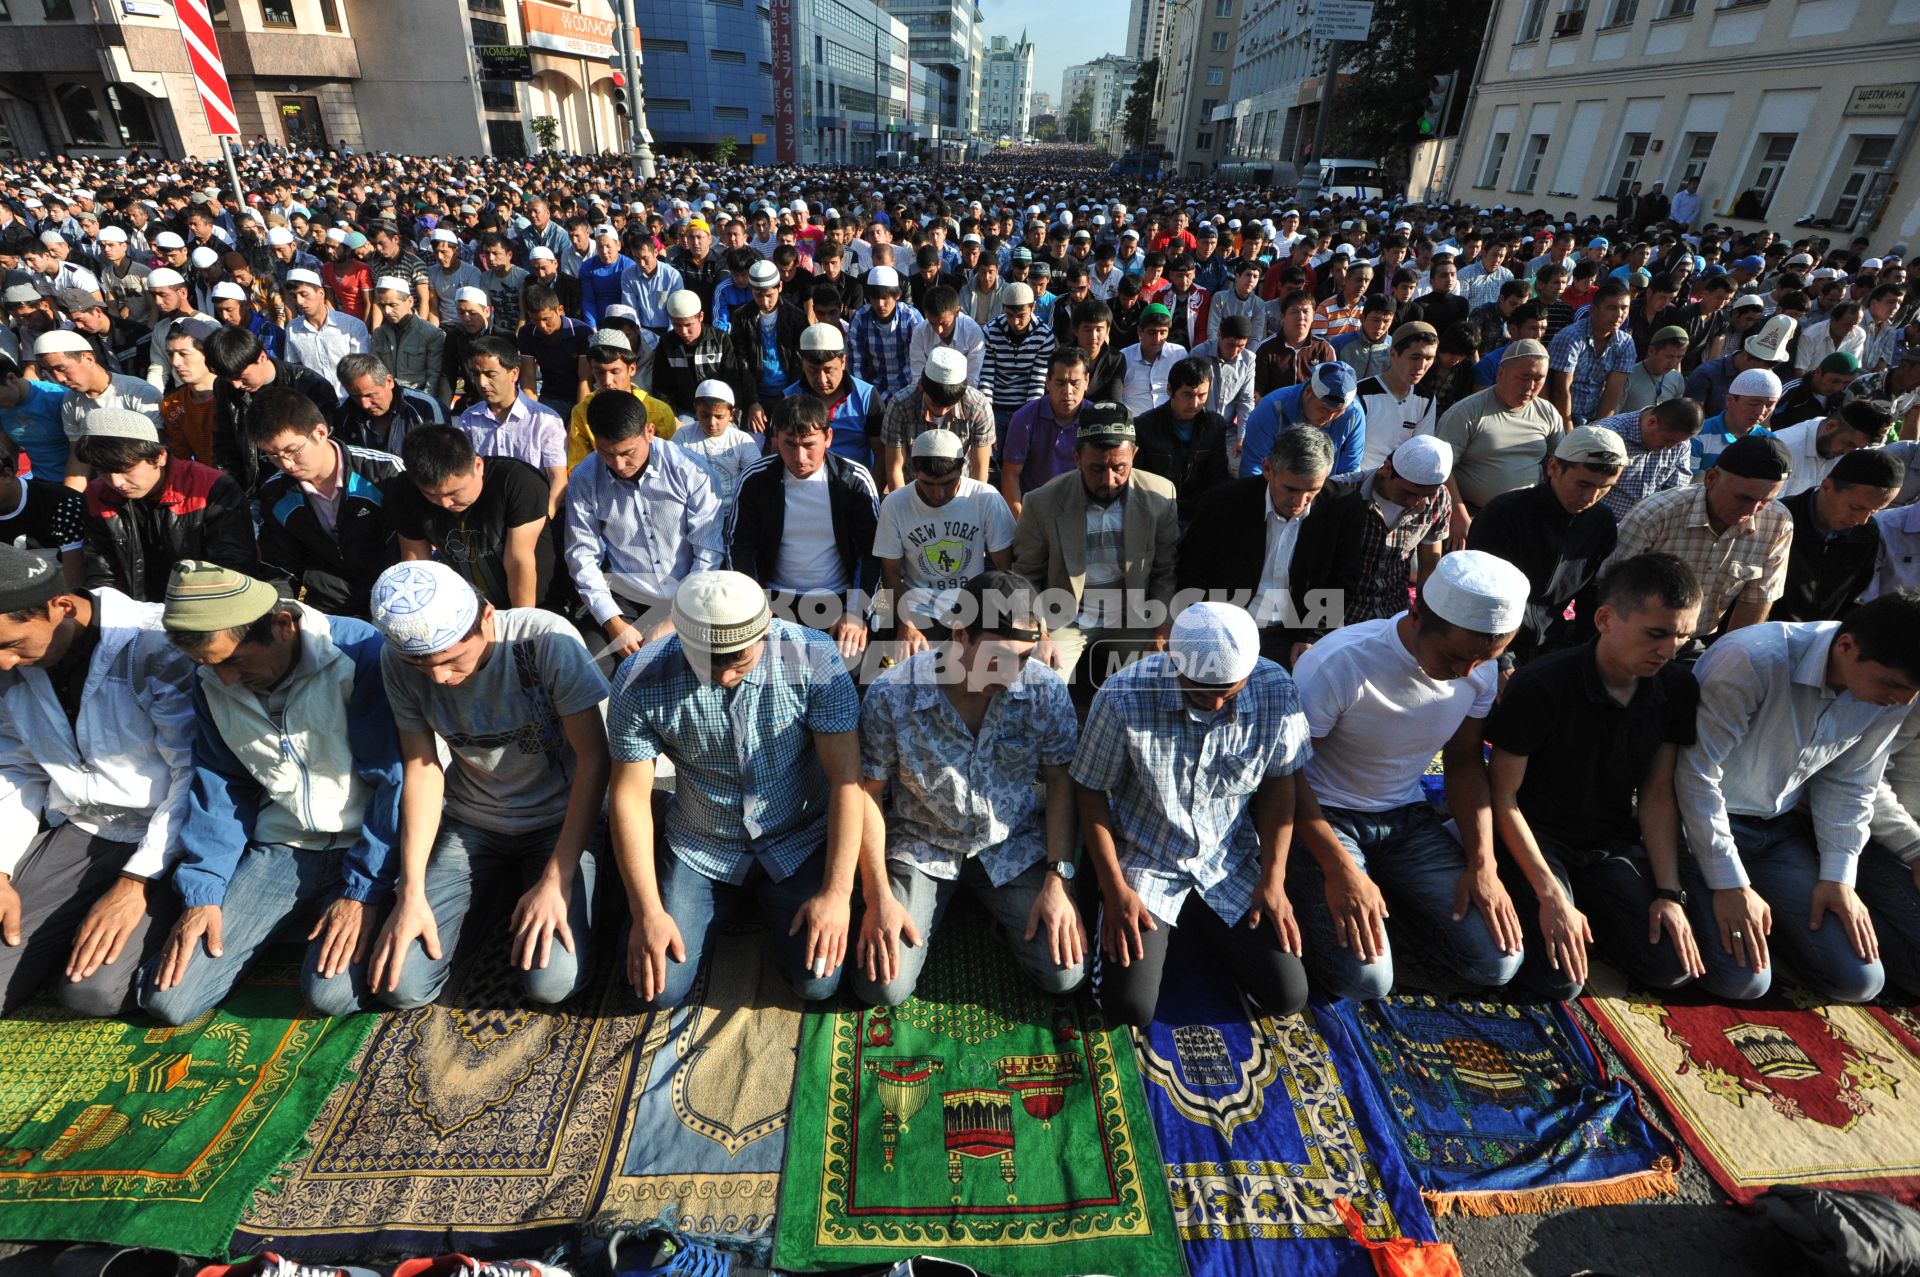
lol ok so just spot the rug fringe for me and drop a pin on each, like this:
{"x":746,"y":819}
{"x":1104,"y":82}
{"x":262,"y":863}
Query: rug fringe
{"x":1535,"y":1201}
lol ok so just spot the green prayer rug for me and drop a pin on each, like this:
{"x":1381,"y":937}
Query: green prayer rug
{"x":981,"y":1121}
{"x":136,"y":1134}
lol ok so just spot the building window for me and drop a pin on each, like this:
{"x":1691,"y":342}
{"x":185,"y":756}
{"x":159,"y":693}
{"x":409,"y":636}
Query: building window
{"x":498,"y":8}
{"x":1496,"y":156}
{"x":6,"y":14}
{"x":1530,"y":19}
{"x":1204,"y":142}
{"x":1771,"y":152}
{"x":499,"y":95}
{"x":486,"y":31}
{"x":681,"y":105}
{"x":1529,"y":171}
{"x":81,"y":113}
{"x":1620,"y":13}
{"x":1216,"y":76}
{"x":330,"y":15}
{"x":506,"y":139}
{"x":738,"y":113}
{"x":1221,"y":41}
{"x":728,"y":55}
{"x":136,"y":121}
{"x":1572,"y":19}
{"x":277,"y":13}
{"x":1223,"y":8}
{"x":1675,"y":9}
{"x":1870,"y":156}
{"x":1626,"y":170}
{"x":1695,"y":150}
{"x":651,"y":45}
{"x":58,"y":10}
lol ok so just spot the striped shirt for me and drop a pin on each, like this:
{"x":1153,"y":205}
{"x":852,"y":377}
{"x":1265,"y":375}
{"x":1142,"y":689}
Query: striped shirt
{"x":1013,"y":369}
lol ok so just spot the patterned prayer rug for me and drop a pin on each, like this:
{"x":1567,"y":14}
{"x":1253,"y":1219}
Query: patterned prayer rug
{"x":476,"y":1123}
{"x":1261,"y":1135}
{"x":136,"y":1135}
{"x":1780,"y":1091}
{"x":710,"y":1125}
{"x":981,"y":1122}
{"x":1506,"y":1107}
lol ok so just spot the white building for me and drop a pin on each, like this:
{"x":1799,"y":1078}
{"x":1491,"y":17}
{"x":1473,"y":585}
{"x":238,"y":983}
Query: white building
{"x":946,"y":36}
{"x":1786,"y":112}
{"x":1196,"y":78}
{"x":1107,"y":79}
{"x":1147,"y":29}
{"x":1008,"y":101}
{"x":1269,"y":122}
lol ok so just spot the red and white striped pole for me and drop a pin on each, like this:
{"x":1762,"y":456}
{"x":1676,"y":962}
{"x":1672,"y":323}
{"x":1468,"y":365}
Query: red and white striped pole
{"x":210,"y":77}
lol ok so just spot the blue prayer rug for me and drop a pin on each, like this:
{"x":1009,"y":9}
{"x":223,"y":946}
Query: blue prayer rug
{"x":1261,"y":1133}
{"x":1506,"y":1108}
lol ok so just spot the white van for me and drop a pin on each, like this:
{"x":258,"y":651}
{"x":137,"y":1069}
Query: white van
{"x":1351,"y":179}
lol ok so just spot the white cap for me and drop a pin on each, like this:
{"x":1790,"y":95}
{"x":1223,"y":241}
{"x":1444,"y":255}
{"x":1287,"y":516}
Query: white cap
{"x":763,"y":274}
{"x":822,"y":339}
{"x":441,"y":235}
{"x":605,"y":231}
{"x":720,"y":612}
{"x":226,"y":291}
{"x":336,"y":235}
{"x":946,"y":367}
{"x":683,"y":303}
{"x":301,"y":275}
{"x":1770,"y":343}
{"x":422,"y":607}
{"x":1016,"y":294}
{"x":167,"y":239}
{"x":391,"y":284}
{"x":112,"y":235}
{"x":619,"y":310}
{"x":1215,"y":644}
{"x":203,"y":257}
{"x":279,"y":235}
{"x":541,"y":253}
{"x":120,"y":423}
{"x":714,"y":388}
{"x":611,"y":339}
{"x":883,"y":277}
{"x":478,"y":296}
{"x":1424,"y":460}
{"x":1756,"y":381}
{"x":61,"y":341}
{"x":1477,"y":591}
{"x":166,"y":277}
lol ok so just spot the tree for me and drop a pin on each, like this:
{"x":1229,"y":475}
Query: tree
{"x":1078,"y":126}
{"x":546,"y":131}
{"x":725,"y":150}
{"x":1139,"y":109}
{"x":1376,"y":114}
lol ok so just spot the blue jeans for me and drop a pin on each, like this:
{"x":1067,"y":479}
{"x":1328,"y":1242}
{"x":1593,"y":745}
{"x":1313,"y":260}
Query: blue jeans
{"x":700,"y":906}
{"x":1417,"y":865}
{"x":1783,"y":865}
{"x":1615,"y":891}
{"x":1891,"y":894}
{"x":466,"y":856}
{"x":276,"y":890}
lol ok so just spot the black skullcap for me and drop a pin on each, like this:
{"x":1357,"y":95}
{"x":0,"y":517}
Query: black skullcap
{"x":1757,"y":457}
{"x":26,"y":579}
{"x":1236,"y":326}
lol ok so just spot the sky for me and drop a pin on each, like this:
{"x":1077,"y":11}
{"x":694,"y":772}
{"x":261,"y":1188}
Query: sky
{"x":1060,"y":31}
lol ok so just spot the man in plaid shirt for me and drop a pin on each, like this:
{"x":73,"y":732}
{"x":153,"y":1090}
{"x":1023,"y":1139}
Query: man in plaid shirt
{"x":1411,"y":515}
{"x":1591,"y":359}
{"x":881,"y":334}
{"x":1659,"y":451}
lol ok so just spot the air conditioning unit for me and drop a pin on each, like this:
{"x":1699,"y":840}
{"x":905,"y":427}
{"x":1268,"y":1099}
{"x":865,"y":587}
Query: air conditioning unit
{"x":1569,"y":23}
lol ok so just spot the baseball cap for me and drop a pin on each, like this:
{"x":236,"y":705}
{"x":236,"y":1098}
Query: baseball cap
{"x":1591,"y":445}
{"x":1333,"y":384}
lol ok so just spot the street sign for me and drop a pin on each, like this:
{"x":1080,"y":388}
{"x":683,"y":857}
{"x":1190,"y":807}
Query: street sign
{"x":1342,"y":19}
{"x":504,"y":61}
{"x":209,"y":73}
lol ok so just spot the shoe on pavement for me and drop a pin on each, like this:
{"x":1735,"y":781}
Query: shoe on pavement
{"x":268,"y":1264}
{"x":465,"y":1266}
{"x":661,"y":1252}
{"x":928,"y":1266}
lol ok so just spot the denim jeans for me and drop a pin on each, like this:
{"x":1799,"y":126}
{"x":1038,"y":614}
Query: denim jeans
{"x":1615,"y":892}
{"x":1890,"y":892}
{"x":1417,"y":865}
{"x":926,"y":898}
{"x":276,"y":891}
{"x":700,"y":906}
{"x":466,"y":857}
{"x":1783,"y":865}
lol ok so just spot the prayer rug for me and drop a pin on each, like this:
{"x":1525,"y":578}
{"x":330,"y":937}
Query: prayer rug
{"x":1780,"y":1091}
{"x":980,"y":1121}
{"x":1506,"y":1107}
{"x":136,"y":1135}
{"x":478,"y":1122}
{"x":1262,"y":1135}
{"x":710,"y":1124}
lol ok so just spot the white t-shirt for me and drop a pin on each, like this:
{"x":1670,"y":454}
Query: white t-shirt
{"x":809,"y":557}
{"x":723,"y":456}
{"x":940,"y":547}
{"x":1377,"y":718}
{"x":1391,"y":421}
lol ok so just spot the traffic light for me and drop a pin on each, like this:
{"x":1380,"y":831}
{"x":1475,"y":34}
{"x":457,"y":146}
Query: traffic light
{"x":1432,"y":119}
{"x":621,"y":106}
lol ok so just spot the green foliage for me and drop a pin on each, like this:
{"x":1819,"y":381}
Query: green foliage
{"x":1376,"y":114}
{"x":1078,"y":126}
{"x":546,"y":131}
{"x":726,"y":150}
{"x":1139,"y":110}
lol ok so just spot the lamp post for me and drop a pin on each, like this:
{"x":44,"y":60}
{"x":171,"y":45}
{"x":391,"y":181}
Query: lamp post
{"x":641,"y":148}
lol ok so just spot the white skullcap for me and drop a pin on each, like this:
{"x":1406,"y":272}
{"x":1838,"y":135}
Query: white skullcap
{"x":61,"y":341}
{"x":1215,"y":644}
{"x":478,"y":296}
{"x":336,"y":235}
{"x":713,"y":388}
{"x":441,"y":235}
{"x":822,"y":339}
{"x":301,"y":275}
{"x":683,"y":303}
{"x":1477,"y":591}
{"x":541,"y":253}
{"x":611,"y":339}
{"x":227,"y":291}
{"x":883,"y":277}
{"x":720,"y":612}
{"x":391,"y":284}
{"x":167,"y":239}
{"x":422,"y":607}
{"x":166,"y":277}
{"x":1424,"y":460}
{"x":279,"y":235}
{"x":619,"y":310}
{"x":1756,"y":381}
{"x":203,"y":257}
{"x":946,"y":367}
{"x":120,"y":423}
{"x":112,"y":235}
{"x":50,"y":238}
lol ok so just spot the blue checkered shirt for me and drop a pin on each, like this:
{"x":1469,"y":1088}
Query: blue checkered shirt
{"x":1646,"y":472}
{"x":748,"y":787}
{"x":958,"y":794}
{"x":879,"y":352}
{"x":1575,"y":351}
{"x":1182,"y":782}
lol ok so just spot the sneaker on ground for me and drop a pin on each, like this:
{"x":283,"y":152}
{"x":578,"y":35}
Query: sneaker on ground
{"x":268,"y":1264}
{"x":660,"y":1252}
{"x":465,"y":1266}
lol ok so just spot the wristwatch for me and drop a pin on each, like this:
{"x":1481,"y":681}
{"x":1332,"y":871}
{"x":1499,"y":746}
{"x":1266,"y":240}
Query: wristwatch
{"x":1061,"y":869}
{"x":1669,"y":893}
